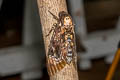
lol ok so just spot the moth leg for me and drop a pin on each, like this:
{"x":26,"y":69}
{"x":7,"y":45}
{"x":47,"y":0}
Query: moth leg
{"x":52,"y":29}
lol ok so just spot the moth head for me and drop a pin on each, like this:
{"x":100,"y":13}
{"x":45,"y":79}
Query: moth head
{"x":65,"y":18}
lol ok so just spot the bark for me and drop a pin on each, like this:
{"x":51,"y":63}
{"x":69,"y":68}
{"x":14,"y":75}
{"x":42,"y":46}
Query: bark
{"x":47,"y":21}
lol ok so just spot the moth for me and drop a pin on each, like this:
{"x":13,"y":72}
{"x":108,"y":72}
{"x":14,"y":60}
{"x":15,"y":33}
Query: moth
{"x":61,"y":50}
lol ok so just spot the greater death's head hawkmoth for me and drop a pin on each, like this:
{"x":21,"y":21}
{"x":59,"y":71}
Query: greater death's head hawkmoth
{"x":61,"y":50}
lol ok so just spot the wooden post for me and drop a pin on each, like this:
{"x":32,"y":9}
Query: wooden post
{"x":69,"y":72}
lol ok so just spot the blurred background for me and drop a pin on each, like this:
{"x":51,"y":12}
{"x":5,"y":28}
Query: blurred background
{"x":22,"y":54}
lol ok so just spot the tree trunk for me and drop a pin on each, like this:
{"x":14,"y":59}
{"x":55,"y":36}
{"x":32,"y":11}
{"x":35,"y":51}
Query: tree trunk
{"x":69,"y":72}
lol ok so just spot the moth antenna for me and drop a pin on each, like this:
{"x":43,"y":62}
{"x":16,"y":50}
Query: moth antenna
{"x":54,"y":16}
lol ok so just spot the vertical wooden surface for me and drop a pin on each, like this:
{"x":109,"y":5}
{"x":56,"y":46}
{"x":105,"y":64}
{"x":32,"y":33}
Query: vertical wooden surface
{"x":54,"y":6}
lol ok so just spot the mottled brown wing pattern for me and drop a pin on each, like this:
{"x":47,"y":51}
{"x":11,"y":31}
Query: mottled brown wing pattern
{"x":55,"y":65}
{"x":55,"y":61}
{"x":61,"y":48}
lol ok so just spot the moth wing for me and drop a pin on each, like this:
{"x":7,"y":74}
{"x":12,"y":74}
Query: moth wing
{"x":55,"y":65}
{"x":55,"y":61}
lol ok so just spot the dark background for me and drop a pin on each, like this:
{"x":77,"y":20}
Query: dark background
{"x":11,"y":22}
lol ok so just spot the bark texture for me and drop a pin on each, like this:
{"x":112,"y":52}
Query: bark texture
{"x":47,"y":21}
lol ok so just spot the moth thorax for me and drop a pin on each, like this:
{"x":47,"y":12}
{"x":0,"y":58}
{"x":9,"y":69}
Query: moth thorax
{"x":67,"y":21}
